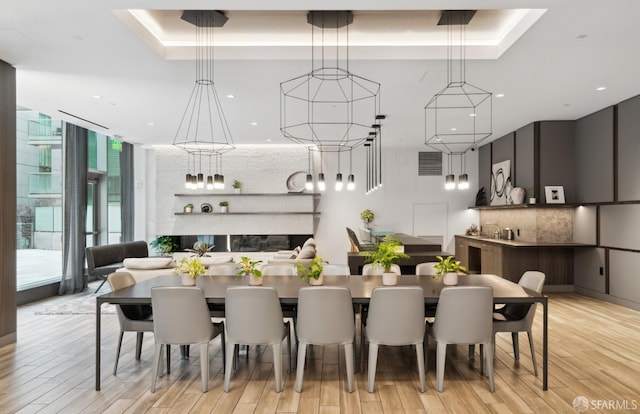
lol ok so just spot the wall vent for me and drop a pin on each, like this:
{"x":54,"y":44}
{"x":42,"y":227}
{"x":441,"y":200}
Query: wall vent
{"x":430,"y":163}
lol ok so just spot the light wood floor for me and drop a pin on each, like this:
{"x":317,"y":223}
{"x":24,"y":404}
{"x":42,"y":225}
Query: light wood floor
{"x":594,"y":352}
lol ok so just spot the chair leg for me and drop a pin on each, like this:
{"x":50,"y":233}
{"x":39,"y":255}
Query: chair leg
{"x":204,"y":366}
{"x":348,"y":357}
{"x":472,"y":351}
{"x":223,"y":342}
{"x":229,"y":368}
{"x":516,"y":347}
{"x":302,"y":352}
{"x":115,"y":366}
{"x":441,"y":355}
{"x":482,"y":359}
{"x":101,"y":284}
{"x":277,"y":364}
{"x":420,"y":358}
{"x":489,"y":355}
{"x":168,"y":359}
{"x":533,"y":354}
{"x":157,"y":358}
{"x":373,"y":362}
{"x":139,"y":337}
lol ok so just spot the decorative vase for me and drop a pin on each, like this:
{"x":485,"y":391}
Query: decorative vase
{"x":317,"y":282}
{"x":188,"y":209}
{"x":255,"y":280}
{"x":237,"y":190}
{"x":390,"y":279}
{"x":450,"y":279}
{"x":517,"y":195}
{"x":187,"y":280}
{"x":532,"y":200}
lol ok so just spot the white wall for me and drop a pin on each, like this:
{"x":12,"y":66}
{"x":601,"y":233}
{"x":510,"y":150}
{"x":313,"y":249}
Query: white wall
{"x":266,"y":168}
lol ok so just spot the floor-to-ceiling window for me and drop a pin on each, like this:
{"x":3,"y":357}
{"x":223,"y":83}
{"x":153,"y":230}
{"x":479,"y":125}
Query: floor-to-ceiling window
{"x":39,"y":196}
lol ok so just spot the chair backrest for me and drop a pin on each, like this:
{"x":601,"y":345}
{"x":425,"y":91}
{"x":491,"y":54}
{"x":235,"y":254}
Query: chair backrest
{"x":532,"y":280}
{"x":464,"y":315}
{"x":223,"y":269}
{"x":336,"y":270}
{"x":355,"y":244}
{"x":396,"y":315}
{"x":287,"y":269}
{"x":120,"y":280}
{"x":253,"y":315}
{"x":426,"y":269}
{"x":325,"y":315}
{"x":369,"y":269}
{"x":180,"y":315}
{"x":365,"y":234}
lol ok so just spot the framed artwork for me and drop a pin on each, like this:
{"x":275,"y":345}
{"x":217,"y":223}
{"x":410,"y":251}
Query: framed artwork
{"x":554,"y":194}
{"x":500,"y":183}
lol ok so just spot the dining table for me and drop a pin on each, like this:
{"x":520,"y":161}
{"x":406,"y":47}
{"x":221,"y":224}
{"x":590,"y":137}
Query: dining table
{"x":214,"y":288}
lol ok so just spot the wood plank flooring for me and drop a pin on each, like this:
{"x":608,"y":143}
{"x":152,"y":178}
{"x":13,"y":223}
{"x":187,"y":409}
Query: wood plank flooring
{"x":594,"y":353}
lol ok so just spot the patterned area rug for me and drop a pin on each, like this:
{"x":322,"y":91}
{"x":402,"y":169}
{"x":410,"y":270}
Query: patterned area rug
{"x":83,"y":305}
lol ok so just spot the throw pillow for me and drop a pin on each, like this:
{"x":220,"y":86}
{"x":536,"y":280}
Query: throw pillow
{"x":143,"y":263}
{"x":307,"y":252}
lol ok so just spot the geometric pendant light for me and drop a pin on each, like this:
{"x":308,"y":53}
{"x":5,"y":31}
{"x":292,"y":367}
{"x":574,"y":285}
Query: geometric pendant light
{"x":203,"y":131}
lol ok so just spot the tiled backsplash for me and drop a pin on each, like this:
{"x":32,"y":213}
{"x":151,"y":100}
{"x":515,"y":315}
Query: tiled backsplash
{"x":534,"y":224}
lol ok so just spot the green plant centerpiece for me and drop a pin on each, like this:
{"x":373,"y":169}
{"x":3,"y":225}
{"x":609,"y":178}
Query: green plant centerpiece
{"x":448,"y":269}
{"x":189,"y":268}
{"x":237,"y":185}
{"x":250,"y":267}
{"x":165,"y":245}
{"x":312,"y":274}
{"x":201,"y":249}
{"x":387,"y":253}
{"x":367,"y":216}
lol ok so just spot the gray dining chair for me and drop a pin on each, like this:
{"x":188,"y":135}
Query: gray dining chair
{"x":223,"y":269}
{"x":463,"y":316}
{"x":516,"y":318}
{"x":395,"y":317}
{"x":254,"y":317}
{"x":325,"y":317}
{"x":181,"y":317}
{"x":336,"y":270}
{"x":132,"y":318}
{"x":426,"y":269}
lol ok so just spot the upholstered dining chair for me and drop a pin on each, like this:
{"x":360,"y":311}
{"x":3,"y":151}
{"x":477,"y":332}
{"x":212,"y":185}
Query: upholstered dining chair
{"x":463,"y":316}
{"x":426,"y":269}
{"x":181,"y":317}
{"x":516,"y":318}
{"x":336,"y":270}
{"x":254,"y":317}
{"x":395,"y":317}
{"x":286,"y":269}
{"x":132,"y":318}
{"x":223,"y":269}
{"x":325,"y":316}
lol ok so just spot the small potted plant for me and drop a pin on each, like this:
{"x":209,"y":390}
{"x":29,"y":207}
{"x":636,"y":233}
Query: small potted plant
{"x":448,"y":268}
{"x":237,"y":186}
{"x":367,"y":216}
{"x":189,"y":269}
{"x":386,"y":254}
{"x":188,"y":208}
{"x":165,"y":245}
{"x":249,"y":267}
{"x":201,"y":249}
{"x":224,"y":206}
{"x":312,"y":274}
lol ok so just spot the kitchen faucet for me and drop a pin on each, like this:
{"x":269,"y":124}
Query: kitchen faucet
{"x":496,"y":233}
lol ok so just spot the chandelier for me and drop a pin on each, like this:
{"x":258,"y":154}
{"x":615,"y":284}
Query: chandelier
{"x":458,"y":117}
{"x":203,"y":131}
{"x":330,"y":109}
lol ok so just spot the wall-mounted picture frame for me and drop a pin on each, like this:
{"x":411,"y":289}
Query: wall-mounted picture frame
{"x":554,"y":194}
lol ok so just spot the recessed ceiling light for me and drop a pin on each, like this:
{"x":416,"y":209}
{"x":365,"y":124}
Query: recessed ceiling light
{"x":473,"y":115}
{"x":151,"y":124}
{"x":601,"y":88}
{"x":96,"y":96}
{"x":254,"y":123}
{"x":499,"y":95}
{"x":268,"y":139}
{"x":231,"y":96}
{"x":454,"y":129}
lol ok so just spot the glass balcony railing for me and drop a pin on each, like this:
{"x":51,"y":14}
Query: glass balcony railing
{"x":45,"y":132}
{"x":45,"y":185}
